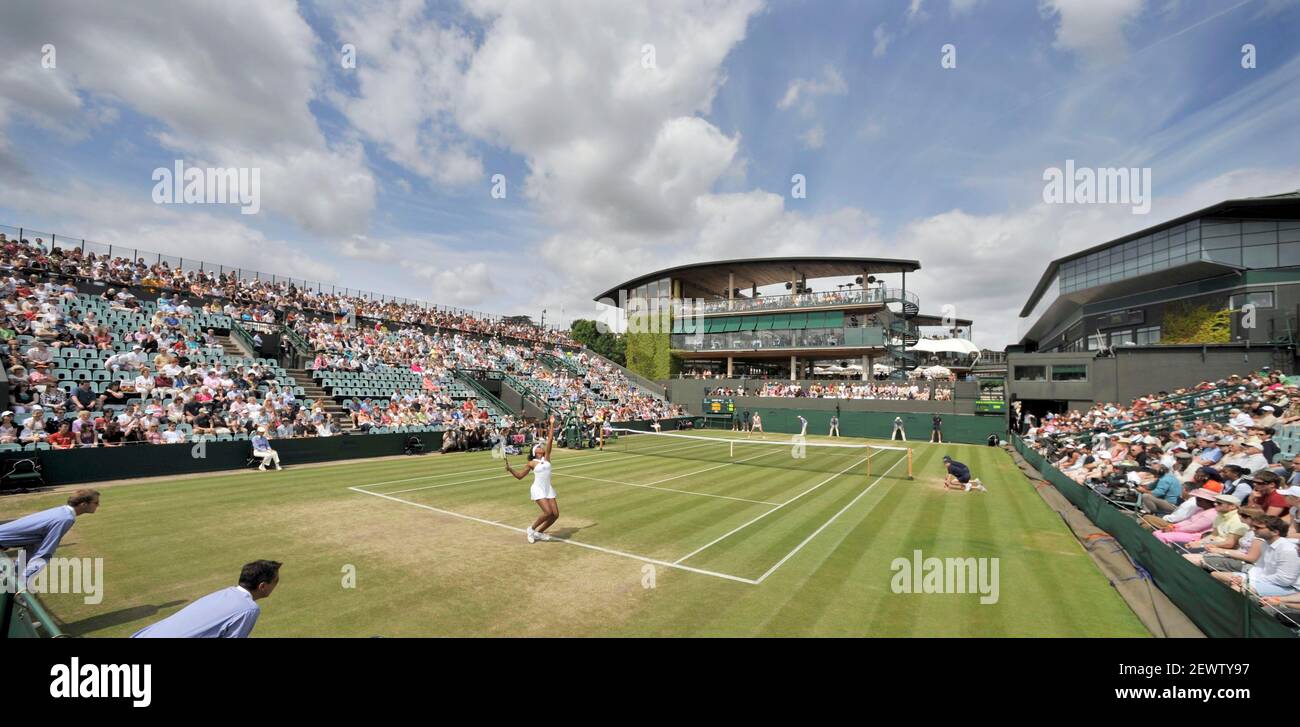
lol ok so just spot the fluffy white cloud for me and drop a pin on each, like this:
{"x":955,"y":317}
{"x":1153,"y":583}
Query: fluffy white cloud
{"x":230,"y":83}
{"x":465,"y":285}
{"x":1093,"y":28}
{"x":408,"y":78}
{"x":831,"y":83}
{"x":883,"y":39}
{"x":814,"y":138}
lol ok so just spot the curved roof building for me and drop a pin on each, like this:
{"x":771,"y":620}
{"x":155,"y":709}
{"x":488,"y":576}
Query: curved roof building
{"x":787,"y":316}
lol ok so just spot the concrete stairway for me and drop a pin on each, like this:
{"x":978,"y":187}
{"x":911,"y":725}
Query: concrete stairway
{"x":313,"y":390}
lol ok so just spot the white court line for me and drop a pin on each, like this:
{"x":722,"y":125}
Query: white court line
{"x":824,"y":525}
{"x":456,"y":473}
{"x":589,"y":546}
{"x":719,"y":466}
{"x":668,"y":489}
{"x":591,"y":460}
{"x":720,"y":538}
{"x":652,"y":485}
{"x":597,"y":461}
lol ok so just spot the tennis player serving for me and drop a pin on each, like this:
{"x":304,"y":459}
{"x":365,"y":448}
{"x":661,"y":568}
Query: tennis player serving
{"x":539,"y":463}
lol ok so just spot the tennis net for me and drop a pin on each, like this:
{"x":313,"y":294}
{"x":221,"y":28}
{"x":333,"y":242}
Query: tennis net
{"x":787,"y":452}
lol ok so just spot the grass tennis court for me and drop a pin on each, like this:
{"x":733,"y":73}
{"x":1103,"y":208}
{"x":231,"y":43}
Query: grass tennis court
{"x":656,"y":537}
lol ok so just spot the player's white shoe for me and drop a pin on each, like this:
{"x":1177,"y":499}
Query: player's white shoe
{"x":542,"y":536}
{"x":979,"y":485}
{"x":532,"y":535}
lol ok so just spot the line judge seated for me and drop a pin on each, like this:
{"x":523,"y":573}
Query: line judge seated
{"x":262,"y":450}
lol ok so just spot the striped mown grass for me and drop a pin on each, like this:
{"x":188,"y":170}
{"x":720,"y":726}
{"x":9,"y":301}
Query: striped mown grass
{"x":752,"y":544}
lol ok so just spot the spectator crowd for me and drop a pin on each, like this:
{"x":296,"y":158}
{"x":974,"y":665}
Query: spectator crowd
{"x":168,"y":384}
{"x":838,"y":390}
{"x":1204,"y":471}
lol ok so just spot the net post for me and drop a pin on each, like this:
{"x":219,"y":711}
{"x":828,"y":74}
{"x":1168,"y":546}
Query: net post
{"x":868,"y":464}
{"x":909,"y":463}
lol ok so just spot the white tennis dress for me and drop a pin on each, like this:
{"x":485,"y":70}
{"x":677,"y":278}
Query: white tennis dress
{"x":541,"y":488}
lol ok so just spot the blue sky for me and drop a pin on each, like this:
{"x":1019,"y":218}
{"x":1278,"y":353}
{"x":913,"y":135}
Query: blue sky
{"x":379,"y":176}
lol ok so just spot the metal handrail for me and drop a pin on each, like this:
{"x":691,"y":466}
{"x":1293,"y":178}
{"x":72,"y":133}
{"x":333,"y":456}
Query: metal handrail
{"x":796,"y":300}
{"x":482,"y":391}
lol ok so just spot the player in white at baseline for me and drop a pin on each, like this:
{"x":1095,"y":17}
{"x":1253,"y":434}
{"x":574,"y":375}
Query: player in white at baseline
{"x":541,"y":491}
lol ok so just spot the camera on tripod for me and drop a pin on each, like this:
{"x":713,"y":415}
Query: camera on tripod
{"x":1114,"y":486}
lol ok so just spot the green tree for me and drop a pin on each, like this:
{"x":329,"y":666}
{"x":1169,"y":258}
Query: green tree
{"x":608,"y":344}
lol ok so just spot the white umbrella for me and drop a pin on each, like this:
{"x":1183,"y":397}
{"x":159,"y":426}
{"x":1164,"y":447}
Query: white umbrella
{"x":938,"y":372}
{"x":945,"y":345}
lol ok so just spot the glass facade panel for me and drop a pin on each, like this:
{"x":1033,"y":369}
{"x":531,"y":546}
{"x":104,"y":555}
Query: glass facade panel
{"x":1220,"y":243}
{"x":778,"y":338}
{"x":1288,"y":253}
{"x":1263,"y":256}
{"x":1031,"y":373}
{"x":1248,"y":243}
{"x":1220,"y":228}
{"x":1259,"y":238}
{"x":1069,"y":372}
{"x":1253,"y":226}
{"x":1259,"y":299}
{"x":1228,"y":257}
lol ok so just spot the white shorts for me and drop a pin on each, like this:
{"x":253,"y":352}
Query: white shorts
{"x":541,"y":492}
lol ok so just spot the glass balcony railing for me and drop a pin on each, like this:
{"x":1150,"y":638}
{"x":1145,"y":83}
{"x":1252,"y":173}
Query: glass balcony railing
{"x":862,"y":337}
{"x":778,"y":302}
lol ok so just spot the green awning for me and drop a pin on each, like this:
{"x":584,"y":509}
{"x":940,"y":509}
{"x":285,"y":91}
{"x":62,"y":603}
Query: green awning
{"x":798,"y":321}
{"x":833,"y":319}
{"x":781,"y":321}
{"x":747,"y":323}
{"x":677,"y":325}
{"x":713,"y":325}
{"x":733,"y":325}
{"x":816,"y":320}
{"x":763,"y":323}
